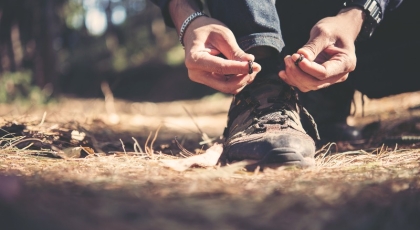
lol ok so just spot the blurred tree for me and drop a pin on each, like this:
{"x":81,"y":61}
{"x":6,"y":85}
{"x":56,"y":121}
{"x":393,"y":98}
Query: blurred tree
{"x":116,"y":39}
{"x":27,"y":31}
{"x":71,"y":46}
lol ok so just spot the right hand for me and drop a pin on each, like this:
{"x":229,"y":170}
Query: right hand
{"x":204,"y":39}
{"x":329,"y":55}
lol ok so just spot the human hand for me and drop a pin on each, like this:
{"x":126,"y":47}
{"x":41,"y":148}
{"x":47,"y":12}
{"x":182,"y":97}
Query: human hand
{"x":204,"y":39}
{"x":329,"y":55}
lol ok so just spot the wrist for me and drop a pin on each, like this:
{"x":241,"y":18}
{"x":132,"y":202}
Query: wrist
{"x":373,"y":16}
{"x":181,"y":10}
{"x":355,"y":17}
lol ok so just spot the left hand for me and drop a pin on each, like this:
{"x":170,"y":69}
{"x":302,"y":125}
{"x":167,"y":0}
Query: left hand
{"x":329,"y":55}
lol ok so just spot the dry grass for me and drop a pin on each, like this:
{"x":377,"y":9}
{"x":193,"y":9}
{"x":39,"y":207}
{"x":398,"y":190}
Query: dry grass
{"x":131,"y":192}
{"x":119,"y":170}
{"x":127,"y":188}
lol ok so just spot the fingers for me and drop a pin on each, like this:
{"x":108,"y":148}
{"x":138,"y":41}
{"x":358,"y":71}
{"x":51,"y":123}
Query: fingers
{"x":224,"y":75}
{"x":211,"y":70}
{"x":206,"y":62}
{"x":329,"y":56}
{"x":231,"y":84}
{"x":305,"y":82}
{"x":223,"y":40}
{"x":219,"y":39}
{"x":228,"y":46}
{"x":337,"y":64}
{"x":207,"y":38}
{"x":313,"y":47}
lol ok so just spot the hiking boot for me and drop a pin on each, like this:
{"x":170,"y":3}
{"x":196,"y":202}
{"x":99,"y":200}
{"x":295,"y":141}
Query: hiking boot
{"x":340,"y":131}
{"x":264,"y":125}
{"x":330,"y":107}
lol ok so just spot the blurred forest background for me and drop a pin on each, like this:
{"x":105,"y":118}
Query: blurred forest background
{"x":52,"y":48}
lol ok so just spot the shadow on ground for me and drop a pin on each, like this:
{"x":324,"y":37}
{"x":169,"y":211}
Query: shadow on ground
{"x":28,"y":203}
{"x":152,"y":81}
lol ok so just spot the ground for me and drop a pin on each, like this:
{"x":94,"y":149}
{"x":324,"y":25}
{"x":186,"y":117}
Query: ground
{"x":97,"y":164}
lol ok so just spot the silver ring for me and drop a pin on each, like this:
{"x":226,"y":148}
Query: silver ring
{"x":299,"y":60}
{"x":250,"y":70}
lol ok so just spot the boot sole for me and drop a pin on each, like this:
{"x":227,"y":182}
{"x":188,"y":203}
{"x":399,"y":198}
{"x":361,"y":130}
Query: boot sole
{"x":281,"y":157}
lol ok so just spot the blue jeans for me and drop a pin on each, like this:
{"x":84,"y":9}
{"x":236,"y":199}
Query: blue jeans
{"x":387,"y":63}
{"x":254,"y":23}
{"x":257,"y":23}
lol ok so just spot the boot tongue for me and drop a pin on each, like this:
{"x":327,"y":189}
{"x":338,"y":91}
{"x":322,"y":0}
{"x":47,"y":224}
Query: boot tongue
{"x":270,"y":90}
{"x":275,"y":99}
{"x":267,"y":84}
{"x":266,"y":91}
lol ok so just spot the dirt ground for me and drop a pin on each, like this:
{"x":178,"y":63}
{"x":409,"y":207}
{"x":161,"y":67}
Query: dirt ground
{"x":116,"y":179}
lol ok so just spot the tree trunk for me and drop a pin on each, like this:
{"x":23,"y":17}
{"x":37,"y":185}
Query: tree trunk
{"x":45,"y":57}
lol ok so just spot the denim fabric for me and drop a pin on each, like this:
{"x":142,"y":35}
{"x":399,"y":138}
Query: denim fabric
{"x":257,"y":23}
{"x":386,"y":5}
{"x":254,"y":23}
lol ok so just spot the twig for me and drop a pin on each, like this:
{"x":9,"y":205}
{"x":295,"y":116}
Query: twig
{"x":22,"y":141}
{"x":327,"y":150}
{"x":7,"y":133}
{"x":154,"y":138}
{"x":195,"y":123}
{"x":123,"y":146}
{"x":109,"y":98}
{"x":182,"y":148}
{"x":145,"y":145}
{"x":43,"y":119}
{"x":137,"y":147}
{"x":204,"y":136}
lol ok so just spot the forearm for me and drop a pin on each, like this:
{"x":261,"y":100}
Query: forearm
{"x":355,"y":17}
{"x":372,"y":13}
{"x":182,"y":9}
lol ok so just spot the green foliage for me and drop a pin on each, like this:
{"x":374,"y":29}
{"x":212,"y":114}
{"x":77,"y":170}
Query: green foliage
{"x":175,"y":56}
{"x":17,"y":86}
{"x":142,"y":38}
{"x":55,"y":42}
{"x":120,"y":60}
{"x":72,"y":13}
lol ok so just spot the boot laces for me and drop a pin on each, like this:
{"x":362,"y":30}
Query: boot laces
{"x":279,"y":117}
{"x":315,"y":132}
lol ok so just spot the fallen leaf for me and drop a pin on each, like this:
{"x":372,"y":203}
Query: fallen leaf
{"x":78,"y":136}
{"x":88,"y":150}
{"x":73,"y":152}
{"x":207,"y":159}
{"x":222,"y":172}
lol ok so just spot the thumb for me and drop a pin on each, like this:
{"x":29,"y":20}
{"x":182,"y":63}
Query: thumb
{"x":313,"y":47}
{"x":239,"y":55}
{"x":231,"y":50}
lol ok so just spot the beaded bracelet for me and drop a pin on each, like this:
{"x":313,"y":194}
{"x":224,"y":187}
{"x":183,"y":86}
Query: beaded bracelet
{"x":187,"y":23}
